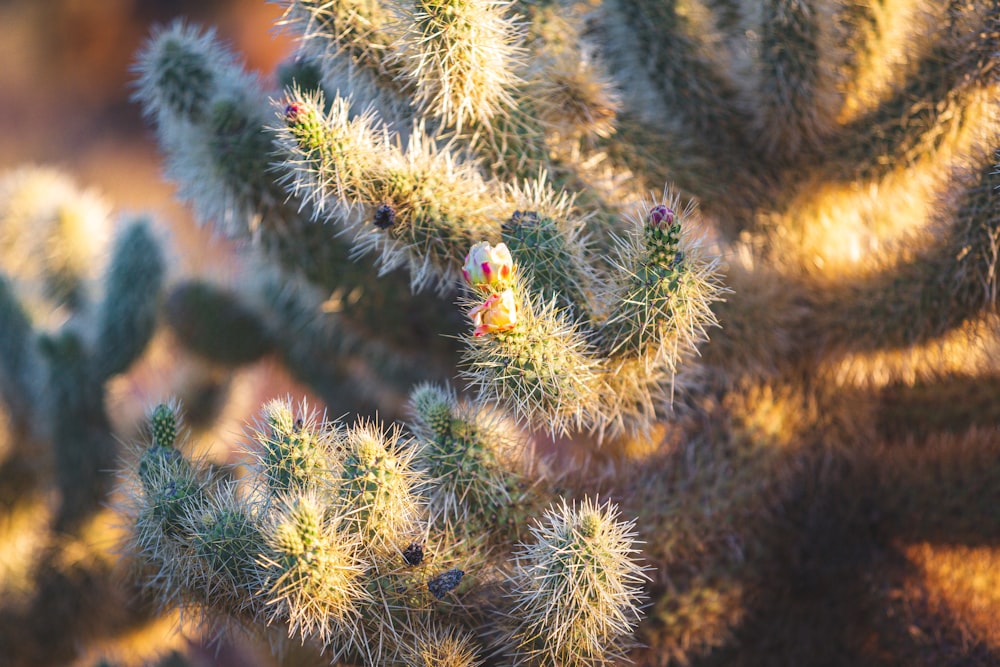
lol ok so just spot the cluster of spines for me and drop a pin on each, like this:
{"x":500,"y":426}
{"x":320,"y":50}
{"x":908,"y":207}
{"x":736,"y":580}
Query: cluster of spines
{"x":602,"y":354}
{"x":311,"y":541}
{"x":459,"y":57}
{"x":346,"y":560}
{"x":418,"y":207}
{"x":470,"y":455}
{"x":576,"y":588}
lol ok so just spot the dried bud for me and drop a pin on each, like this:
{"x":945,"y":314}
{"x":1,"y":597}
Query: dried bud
{"x":486,"y":265}
{"x":385,"y":216}
{"x":445,"y":582}
{"x":414,"y":554}
{"x":497,"y":313}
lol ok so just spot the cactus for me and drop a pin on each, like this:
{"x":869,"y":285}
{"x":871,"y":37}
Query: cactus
{"x":510,"y":160}
{"x":576,"y":588}
{"x":66,"y":331}
{"x":728,"y":266}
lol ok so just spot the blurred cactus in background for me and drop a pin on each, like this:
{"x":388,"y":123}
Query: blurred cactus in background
{"x":79,"y":301}
{"x":684,"y":311}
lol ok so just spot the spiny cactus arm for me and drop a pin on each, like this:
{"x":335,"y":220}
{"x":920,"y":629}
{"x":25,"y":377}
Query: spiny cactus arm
{"x":942,"y":287}
{"x":214,"y":323}
{"x":127,"y":314}
{"x":576,"y":588}
{"x":297,"y":547}
{"x":351,"y":27}
{"x":293,"y":447}
{"x":549,"y":244}
{"x":662,"y":304}
{"x":17,"y":356}
{"x":53,"y":239}
{"x":566,"y":79}
{"x":312,"y":574}
{"x":674,"y":78}
{"x":210,"y":118}
{"x":946,"y":103}
{"x":419,"y":207}
{"x":657,"y":311}
{"x":458,"y":57}
{"x":473,"y":457}
{"x":530,"y":358}
{"x":83,"y":445}
{"x":436,"y":644}
{"x":380,"y":485}
{"x":794,"y":62}
{"x":662,"y":35}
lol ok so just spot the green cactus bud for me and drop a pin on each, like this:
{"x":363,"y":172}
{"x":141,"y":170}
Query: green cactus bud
{"x":378,"y":485}
{"x":432,"y":407}
{"x":164,"y":422}
{"x":312,"y":573}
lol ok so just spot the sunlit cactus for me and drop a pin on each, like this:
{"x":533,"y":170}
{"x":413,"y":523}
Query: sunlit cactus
{"x":730,"y":266}
{"x":577,"y":586}
{"x":311,"y":571}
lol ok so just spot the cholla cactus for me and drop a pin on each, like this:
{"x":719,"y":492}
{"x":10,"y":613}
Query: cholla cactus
{"x":576,"y":588}
{"x":341,"y":552}
{"x":405,"y":191}
{"x":501,"y":156}
{"x":79,"y":297}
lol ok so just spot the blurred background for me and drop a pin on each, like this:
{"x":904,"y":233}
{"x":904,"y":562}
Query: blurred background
{"x":67,"y":82}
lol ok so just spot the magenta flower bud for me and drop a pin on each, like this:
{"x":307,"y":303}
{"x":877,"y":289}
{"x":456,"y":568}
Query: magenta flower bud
{"x":661,"y":216}
{"x":486,"y":265}
{"x":292,"y":111}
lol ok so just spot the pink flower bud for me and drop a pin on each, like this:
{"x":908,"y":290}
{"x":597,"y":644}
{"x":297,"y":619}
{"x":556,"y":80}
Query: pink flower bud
{"x":661,"y":216}
{"x":486,"y":265}
{"x":497,"y":313}
{"x":292,"y":111}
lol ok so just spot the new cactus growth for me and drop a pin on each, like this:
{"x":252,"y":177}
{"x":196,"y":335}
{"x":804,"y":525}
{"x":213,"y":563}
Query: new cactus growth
{"x":576,"y":586}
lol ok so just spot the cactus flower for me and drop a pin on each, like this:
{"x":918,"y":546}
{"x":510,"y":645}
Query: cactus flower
{"x":486,"y":265}
{"x":497,"y":313}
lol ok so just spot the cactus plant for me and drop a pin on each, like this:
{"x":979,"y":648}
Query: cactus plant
{"x":729,"y":266}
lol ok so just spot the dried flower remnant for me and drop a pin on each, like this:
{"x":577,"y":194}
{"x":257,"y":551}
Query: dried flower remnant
{"x":444,"y":582}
